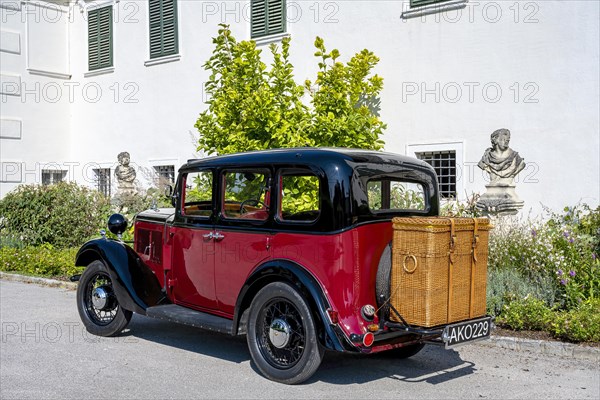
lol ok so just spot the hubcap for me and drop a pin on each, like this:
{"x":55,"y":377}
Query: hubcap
{"x":279,"y":333}
{"x":100,"y":298}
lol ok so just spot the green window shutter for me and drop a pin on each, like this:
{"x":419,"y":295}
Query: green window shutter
{"x":268,"y":17}
{"x":100,"y":47}
{"x":163,"y":28}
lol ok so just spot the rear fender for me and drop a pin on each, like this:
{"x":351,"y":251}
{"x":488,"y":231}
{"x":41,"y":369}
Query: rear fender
{"x":134,"y":283}
{"x":330,"y":336}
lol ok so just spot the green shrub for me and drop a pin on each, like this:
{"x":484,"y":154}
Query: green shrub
{"x":560,"y":249}
{"x":42,"y":260}
{"x":526,"y":314}
{"x":578,"y":325}
{"x":63,"y":215}
{"x":507,"y":285}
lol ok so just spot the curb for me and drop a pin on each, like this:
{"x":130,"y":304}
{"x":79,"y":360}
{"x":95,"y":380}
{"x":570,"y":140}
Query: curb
{"x":40,"y":281}
{"x":556,"y":349}
{"x":549,"y":348}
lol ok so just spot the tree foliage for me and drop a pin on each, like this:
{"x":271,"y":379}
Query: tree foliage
{"x":253,"y":107}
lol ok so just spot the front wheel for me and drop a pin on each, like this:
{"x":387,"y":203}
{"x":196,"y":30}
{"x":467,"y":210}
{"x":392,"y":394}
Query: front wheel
{"x":97,"y":303}
{"x":282,"y":335}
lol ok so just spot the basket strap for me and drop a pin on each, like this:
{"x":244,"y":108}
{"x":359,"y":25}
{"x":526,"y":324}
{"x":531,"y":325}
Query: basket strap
{"x":450,"y":267}
{"x":473,"y":264}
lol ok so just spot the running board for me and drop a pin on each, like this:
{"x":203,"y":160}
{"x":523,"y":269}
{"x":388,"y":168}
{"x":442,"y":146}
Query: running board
{"x":187,"y":316}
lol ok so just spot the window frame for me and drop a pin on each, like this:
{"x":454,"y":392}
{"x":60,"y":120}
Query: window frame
{"x":462,"y":169}
{"x":161,"y":25}
{"x":223,"y":186}
{"x":169,"y":180}
{"x":182,"y":193}
{"x":53,"y":173}
{"x":444,"y":194}
{"x":291,"y":171}
{"x":98,"y":40}
{"x":267,"y":32}
{"x":388,"y":191}
{"x":107,"y":185}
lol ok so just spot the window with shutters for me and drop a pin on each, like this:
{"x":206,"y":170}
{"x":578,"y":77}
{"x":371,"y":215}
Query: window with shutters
{"x":268,"y":17}
{"x":100,"y":46}
{"x":163,"y":28}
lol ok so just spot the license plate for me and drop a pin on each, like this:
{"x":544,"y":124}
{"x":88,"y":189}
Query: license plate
{"x":467,"y":332}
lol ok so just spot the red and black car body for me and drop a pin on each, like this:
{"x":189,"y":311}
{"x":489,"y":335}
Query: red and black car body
{"x":296,"y":284}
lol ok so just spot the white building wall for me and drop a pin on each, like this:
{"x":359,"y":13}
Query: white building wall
{"x":450,"y":80}
{"x":34,"y":112}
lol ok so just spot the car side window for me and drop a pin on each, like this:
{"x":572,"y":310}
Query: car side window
{"x":299,"y":198}
{"x":389,"y":194}
{"x":198,"y":194}
{"x":246,"y":194}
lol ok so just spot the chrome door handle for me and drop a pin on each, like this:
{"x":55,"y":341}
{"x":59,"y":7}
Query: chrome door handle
{"x":208,"y":236}
{"x":218,"y":236}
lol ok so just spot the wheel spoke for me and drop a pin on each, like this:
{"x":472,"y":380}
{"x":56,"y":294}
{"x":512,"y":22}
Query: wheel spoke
{"x":290,"y":354}
{"x":100,"y":316}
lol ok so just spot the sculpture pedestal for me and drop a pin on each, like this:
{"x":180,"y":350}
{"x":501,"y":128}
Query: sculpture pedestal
{"x":500,"y":199}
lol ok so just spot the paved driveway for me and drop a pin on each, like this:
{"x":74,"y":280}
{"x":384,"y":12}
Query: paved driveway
{"x":46,"y":353}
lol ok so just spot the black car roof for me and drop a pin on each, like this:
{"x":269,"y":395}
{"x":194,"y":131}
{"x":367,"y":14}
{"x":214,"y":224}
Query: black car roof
{"x":314,"y":155}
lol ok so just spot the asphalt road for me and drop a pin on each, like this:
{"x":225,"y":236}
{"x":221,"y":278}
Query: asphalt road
{"x":46,"y":353}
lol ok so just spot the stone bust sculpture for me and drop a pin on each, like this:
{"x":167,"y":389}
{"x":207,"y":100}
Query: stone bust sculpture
{"x":125,"y":174}
{"x":500,"y":161}
{"x":502,"y":164}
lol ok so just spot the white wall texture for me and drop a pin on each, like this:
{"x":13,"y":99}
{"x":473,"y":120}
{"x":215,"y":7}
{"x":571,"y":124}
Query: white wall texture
{"x":450,"y":79}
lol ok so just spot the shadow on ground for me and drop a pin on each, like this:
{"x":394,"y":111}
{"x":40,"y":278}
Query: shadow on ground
{"x":432,"y":365}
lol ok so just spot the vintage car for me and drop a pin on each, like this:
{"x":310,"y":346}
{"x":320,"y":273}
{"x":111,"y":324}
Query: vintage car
{"x":291,"y":247}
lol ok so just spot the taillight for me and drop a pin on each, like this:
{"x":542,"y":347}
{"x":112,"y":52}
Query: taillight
{"x":368,"y":339}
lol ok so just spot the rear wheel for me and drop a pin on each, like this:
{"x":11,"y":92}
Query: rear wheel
{"x":97,"y":303}
{"x":282,"y":335}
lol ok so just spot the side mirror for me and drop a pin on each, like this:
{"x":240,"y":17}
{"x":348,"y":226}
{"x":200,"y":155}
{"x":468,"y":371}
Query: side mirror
{"x":168,"y":191}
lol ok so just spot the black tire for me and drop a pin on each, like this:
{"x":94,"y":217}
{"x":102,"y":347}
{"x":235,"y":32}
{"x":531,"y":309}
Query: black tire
{"x":282,"y":335}
{"x":108,"y":319}
{"x":404,"y":352}
{"x":384,"y":269}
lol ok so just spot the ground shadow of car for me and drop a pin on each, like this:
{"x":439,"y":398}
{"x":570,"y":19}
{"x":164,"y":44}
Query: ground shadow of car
{"x":432,"y":365}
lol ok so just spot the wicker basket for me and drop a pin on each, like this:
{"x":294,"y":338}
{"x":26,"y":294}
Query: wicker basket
{"x":439,"y":269}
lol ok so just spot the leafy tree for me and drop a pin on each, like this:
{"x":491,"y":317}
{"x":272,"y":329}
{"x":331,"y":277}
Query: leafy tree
{"x":252,"y":107}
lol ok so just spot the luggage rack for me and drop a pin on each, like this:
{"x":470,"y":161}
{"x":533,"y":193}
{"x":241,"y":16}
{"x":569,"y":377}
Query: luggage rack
{"x":407,"y":328}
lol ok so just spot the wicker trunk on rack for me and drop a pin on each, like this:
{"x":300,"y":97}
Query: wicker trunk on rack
{"x":439,"y":269}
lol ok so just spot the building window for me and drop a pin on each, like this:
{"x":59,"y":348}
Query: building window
{"x":165,"y":175}
{"x":163,"y":28}
{"x":100,"y":46}
{"x":419,"y":3}
{"x":103,"y":180}
{"x":444,"y":164}
{"x":52,"y":176}
{"x":268,"y":17}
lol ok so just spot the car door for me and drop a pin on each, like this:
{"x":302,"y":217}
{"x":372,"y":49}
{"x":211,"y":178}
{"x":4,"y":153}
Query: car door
{"x":193,"y":274}
{"x":242,"y":234}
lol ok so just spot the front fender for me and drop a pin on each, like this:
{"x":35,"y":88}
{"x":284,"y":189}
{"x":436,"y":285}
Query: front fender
{"x":134,"y":283}
{"x":330,"y":336}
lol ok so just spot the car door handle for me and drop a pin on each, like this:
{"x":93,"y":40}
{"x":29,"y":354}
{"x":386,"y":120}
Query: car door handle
{"x":218,"y":236}
{"x":208,"y":236}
